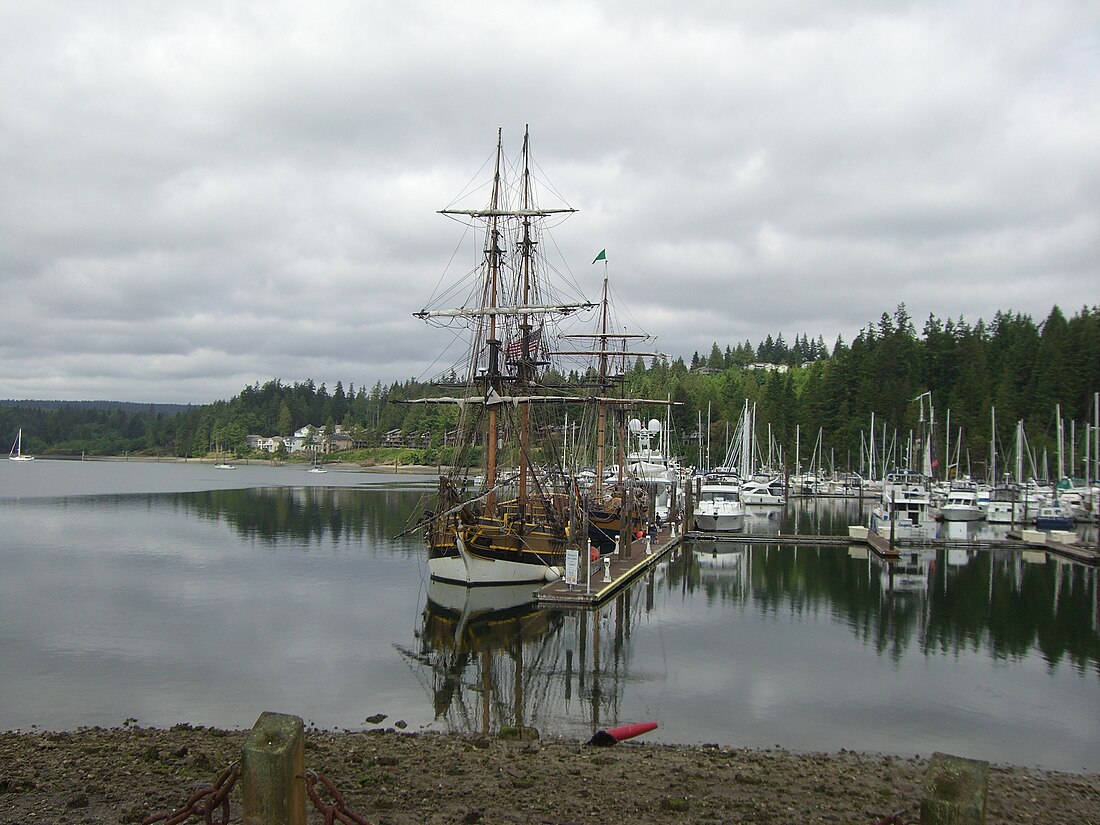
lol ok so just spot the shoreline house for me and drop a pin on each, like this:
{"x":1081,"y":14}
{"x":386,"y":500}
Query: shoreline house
{"x":308,"y":439}
{"x":415,"y":440}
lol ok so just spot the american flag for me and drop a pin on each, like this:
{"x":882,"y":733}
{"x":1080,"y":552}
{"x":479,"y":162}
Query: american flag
{"x":514,"y":351}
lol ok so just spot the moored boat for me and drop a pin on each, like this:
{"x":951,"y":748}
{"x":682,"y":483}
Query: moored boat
{"x":1054,"y":516}
{"x":17,"y":453}
{"x":718,"y":506}
{"x":768,"y":493}
{"x":906,"y":504}
{"x":961,"y":503}
{"x":518,"y":527}
{"x":1010,"y":504}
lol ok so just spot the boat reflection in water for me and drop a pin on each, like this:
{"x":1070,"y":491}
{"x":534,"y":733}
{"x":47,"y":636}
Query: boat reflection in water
{"x":491,"y":660}
{"x":722,"y":568}
{"x":909,"y":573}
{"x":473,"y":639}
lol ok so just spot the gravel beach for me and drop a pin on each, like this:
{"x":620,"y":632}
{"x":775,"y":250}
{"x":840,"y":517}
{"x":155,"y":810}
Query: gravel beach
{"x":120,"y":775}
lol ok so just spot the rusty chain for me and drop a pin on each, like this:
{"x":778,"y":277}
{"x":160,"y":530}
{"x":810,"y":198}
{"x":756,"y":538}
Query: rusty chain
{"x":203,"y":802}
{"x":207,"y":799}
{"x":337,"y":812}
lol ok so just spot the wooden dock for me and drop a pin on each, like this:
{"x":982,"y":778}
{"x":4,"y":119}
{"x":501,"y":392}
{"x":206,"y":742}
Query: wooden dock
{"x":605,"y":580}
{"x":881,"y":545}
{"x":1027,"y":539}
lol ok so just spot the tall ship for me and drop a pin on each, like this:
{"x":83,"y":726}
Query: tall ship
{"x":506,"y":510}
{"x":625,"y":486}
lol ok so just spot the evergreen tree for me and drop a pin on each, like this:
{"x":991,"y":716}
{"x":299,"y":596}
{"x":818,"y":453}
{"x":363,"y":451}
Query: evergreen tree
{"x":285,"y":424}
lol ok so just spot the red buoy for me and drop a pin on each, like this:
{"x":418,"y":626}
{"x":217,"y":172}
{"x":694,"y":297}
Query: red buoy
{"x":613,"y":735}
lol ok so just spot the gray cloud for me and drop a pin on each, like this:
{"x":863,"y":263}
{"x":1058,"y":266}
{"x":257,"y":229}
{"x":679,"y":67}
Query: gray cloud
{"x":202,"y":196}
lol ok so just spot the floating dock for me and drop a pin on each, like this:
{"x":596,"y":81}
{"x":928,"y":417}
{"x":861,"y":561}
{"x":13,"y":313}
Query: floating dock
{"x":769,"y":538}
{"x":610,"y":573}
{"x":1058,"y":542}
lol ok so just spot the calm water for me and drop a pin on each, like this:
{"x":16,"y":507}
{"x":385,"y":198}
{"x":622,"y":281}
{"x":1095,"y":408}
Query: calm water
{"x":176,"y":592}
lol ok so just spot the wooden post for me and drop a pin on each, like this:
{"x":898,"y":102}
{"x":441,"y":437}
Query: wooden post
{"x":273,"y":771}
{"x":954,"y":791}
{"x":689,"y":506}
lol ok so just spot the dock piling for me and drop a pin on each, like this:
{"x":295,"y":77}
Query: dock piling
{"x":954,"y":791}
{"x":273,"y":771}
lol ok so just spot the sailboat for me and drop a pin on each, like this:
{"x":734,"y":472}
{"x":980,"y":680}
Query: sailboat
{"x":16,"y":453}
{"x":488,"y":524}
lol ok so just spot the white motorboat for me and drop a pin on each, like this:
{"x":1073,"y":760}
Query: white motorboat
{"x":906,"y":504}
{"x":961,"y":503}
{"x":1010,"y":504}
{"x":718,"y":506}
{"x":763,"y":493}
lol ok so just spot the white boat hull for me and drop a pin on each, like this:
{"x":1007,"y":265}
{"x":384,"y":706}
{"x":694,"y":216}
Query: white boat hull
{"x":763,"y":499}
{"x":470,"y":569}
{"x":719,"y":522}
{"x":1000,"y":512}
{"x":949,"y":513}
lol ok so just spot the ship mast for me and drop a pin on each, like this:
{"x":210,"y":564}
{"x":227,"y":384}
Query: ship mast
{"x":601,"y":409}
{"x":525,"y":368}
{"x":493,"y":376}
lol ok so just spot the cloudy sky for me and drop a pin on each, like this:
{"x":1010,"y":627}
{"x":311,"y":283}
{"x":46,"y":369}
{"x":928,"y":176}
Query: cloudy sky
{"x":198,"y":196}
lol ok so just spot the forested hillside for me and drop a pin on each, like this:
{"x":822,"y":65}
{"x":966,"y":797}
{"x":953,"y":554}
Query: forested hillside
{"x":1022,"y":368}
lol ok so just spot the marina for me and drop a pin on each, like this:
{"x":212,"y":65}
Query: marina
{"x":604,"y":575}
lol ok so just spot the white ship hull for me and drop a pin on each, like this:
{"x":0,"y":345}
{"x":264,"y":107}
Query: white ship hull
{"x":470,"y":569}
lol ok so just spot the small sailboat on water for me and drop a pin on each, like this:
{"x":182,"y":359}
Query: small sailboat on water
{"x":16,"y":453}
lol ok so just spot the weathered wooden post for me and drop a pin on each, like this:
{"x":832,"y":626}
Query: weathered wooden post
{"x":954,"y":791}
{"x":690,"y":495}
{"x":273,"y":771}
{"x":673,"y":506}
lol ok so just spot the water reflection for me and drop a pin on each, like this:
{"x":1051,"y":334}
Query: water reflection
{"x":109,"y":604}
{"x":488,"y":657}
{"x":933,"y":599}
{"x":306,"y":515}
{"x":937,"y":599}
{"x":483,"y":650}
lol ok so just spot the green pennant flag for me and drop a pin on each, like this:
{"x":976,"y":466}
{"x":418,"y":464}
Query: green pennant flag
{"x":601,"y":257}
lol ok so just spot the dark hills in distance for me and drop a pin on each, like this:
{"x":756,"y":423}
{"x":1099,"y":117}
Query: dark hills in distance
{"x":125,"y":406}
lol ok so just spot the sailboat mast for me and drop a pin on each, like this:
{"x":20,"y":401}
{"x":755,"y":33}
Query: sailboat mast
{"x":947,"y":450}
{"x":993,"y":445}
{"x":494,"y":254}
{"x":1059,"y":428}
{"x":526,"y":367}
{"x":601,"y":409}
{"x":1020,"y":451}
{"x":871,"y":450}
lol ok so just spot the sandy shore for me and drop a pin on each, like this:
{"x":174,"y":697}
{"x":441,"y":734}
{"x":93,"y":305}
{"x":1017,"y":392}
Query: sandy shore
{"x":123,"y":775}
